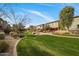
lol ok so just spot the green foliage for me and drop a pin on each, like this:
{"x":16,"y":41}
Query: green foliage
{"x":27,"y":33}
{"x":3,"y":46}
{"x":66,"y":17}
{"x":2,"y":35}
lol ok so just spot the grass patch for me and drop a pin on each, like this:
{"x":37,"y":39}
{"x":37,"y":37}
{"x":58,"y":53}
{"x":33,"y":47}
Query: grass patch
{"x":46,"y":45}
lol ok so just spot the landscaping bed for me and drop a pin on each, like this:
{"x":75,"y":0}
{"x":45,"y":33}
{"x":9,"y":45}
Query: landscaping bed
{"x":4,"y":48}
{"x":67,"y":34}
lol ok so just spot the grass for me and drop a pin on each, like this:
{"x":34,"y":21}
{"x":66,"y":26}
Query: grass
{"x":46,"y":45}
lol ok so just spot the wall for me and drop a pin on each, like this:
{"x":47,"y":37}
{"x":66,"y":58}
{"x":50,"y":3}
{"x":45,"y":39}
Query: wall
{"x":53,"y":24}
{"x":74,"y":24}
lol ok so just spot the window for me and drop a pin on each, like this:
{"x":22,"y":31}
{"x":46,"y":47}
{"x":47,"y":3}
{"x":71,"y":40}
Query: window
{"x":77,"y":26}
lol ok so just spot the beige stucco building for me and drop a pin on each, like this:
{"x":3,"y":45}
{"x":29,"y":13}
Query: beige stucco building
{"x":75,"y":24}
{"x":39,"y":26}
{"x":54,"y":25}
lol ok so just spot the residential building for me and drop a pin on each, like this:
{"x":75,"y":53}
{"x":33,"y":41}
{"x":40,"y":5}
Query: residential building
{"x":54,"y":25}
{"x":75,"y":24}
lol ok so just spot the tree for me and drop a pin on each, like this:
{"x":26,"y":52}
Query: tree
{"x":66,"y":17}
{"x":32,"y":28}
{"x":14,"y":18}
{"x":1,"y":24}
{"x":46,"y":27}
{"x":20,"y":27}
{"x":4,"y":26}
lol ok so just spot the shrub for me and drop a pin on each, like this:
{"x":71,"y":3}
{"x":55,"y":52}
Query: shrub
{"x":34,"y":33}
{"x":3,"y":46}
{"x":11,"y":33}
{"x":28,"y":33}
{"x":61,"y":32}
{"x":21,"y":35}
{"x":14,"y":34}
{"x":66,"y":33}
{"x":2,"y":35}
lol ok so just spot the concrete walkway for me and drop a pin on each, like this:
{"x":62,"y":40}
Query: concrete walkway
{"x":15,"y":48}
{"x":12,"y":45}
{"x":57,"y":35}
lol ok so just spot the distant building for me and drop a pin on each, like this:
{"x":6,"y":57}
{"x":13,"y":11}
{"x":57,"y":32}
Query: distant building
{"x":54,"y":25}
{"x":39,"y":26}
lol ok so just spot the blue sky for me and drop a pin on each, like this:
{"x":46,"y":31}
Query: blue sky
{"x":40,"y":13}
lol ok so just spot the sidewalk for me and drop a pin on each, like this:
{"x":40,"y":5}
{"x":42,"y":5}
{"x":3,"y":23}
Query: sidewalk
{"x":15,"y":48}
{"x":13,"y":43}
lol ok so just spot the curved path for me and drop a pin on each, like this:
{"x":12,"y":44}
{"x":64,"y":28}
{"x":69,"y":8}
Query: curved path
{"x":13,"y":43}
{"x":15,"y":48}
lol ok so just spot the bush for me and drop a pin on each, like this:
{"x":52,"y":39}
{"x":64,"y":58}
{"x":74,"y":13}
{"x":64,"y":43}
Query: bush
{"x":14,"y":34}
{"x":11,"y":33}
{"x":21,"y":35}
{"x":66,"y":33}
{"x":74,"y":31}
{"x":2,"y":35}
{"x":61,"y":32}
{"x":3,"y":46}
{"x":34,"y":33}
{"x":28,"y":33}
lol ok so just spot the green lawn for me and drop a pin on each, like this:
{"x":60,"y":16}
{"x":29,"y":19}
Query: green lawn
{"x":46,"y":45}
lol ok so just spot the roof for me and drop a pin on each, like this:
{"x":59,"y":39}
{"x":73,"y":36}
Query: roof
{"x":54,"y":21}
{"x":48,"y":22}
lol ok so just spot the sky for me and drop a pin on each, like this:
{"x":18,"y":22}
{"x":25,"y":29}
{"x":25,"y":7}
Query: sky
{"x":40,"y":13}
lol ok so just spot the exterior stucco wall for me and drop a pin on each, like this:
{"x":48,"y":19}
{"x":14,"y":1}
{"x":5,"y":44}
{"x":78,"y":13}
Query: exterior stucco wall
{"x":39,"y":27}
{"x":75,"y":24}
{"x":53,"y":25}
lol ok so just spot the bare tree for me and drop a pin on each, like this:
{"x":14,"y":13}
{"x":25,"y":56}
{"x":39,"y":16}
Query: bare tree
{"x":13,"y":17}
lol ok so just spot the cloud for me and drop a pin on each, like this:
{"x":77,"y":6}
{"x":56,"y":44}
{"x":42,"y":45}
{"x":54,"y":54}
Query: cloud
{"x":46,"y":17}
{"x":46,"y":4}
